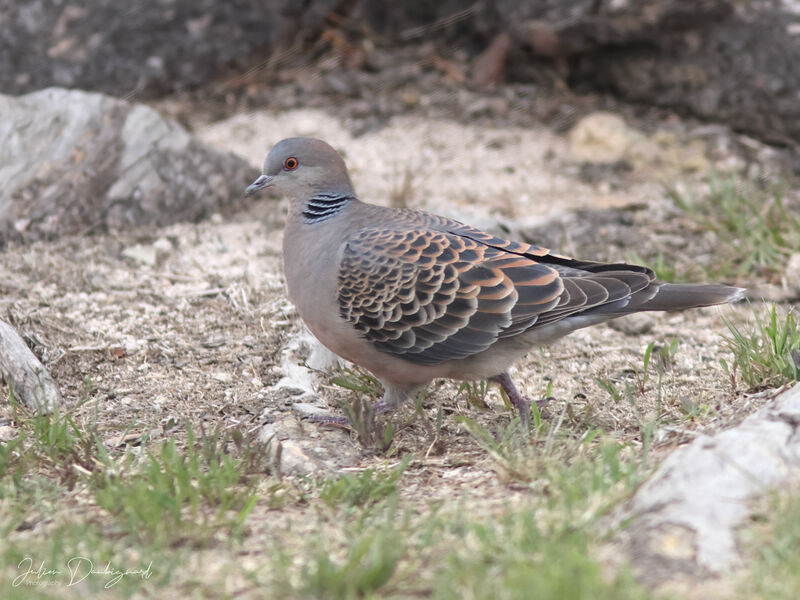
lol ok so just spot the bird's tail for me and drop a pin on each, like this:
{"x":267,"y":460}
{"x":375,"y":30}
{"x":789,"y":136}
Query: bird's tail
{"x":674,"y":296}
{"x":679,"y":296}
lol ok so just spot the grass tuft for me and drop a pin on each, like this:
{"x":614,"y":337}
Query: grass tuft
{"x":358,"y":561}
{"x":362,"y":489}
{"x":572,"y":469}
{"x":176,"y":496}
{"x":374,"y":433}
{"x":756,"y":230}
{"x":767,"y":353}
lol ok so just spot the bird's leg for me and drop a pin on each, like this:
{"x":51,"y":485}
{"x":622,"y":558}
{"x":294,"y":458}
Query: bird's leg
{"x":392,"y":398}
{"x":522,"y":404}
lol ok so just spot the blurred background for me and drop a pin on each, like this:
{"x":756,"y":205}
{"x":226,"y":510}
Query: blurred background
{"x":519,"y":61}
{"x":671,"y":78}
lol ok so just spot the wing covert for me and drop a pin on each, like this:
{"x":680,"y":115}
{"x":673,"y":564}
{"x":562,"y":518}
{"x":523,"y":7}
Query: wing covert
{"x":429,"y":296}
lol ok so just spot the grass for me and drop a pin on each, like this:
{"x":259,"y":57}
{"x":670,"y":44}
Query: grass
{"x":657,"y":361}
{"x":147,"y":511}
{"x":184,"y":496}
{"x":771,"y":544}
{"x":204,"y":515}
{"x":767,"y":352}
{"x":372,"y":432}
{"x":362,"y":489}
{"x":388,"y":548}
{"x":569,"y":468}
{"x":475,"y":393}
{"x":515,"y":558}
{"x":66,"y":555}
{"x":355,"y":559}
{"x":756,"y":231}
{"x":662,"y":266}
{"x":65,"y":497}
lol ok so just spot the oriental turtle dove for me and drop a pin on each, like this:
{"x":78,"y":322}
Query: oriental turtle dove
{"x":412,"y":296}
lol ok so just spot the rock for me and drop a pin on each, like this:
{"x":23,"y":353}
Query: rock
{"x":792,"y":273}
{"x":73,"y":162}
{"x":104,"y":46}
{"x":8,"y":433}
{"x":297,"y":376}
{"x":680,"y":54}
{"x":307,"y":410}
{"x":685,"y":55}
{"x":696,"y":68}
{"x":635,"y":324}
{"x":487,"y":69}
{"x":304,"y":448}
{"x":601,"y":137}
{"x":145,"y":254}
{"x":571,"y":27}
{"x":604,"y":139}
{"x":684,"y":518}
{"x":322,"y":359}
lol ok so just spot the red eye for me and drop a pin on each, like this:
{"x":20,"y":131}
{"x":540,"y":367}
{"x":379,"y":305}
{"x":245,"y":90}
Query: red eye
{"x":290,"y":164}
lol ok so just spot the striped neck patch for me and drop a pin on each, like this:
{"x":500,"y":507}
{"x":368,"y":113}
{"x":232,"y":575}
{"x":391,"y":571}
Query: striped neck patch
{"x":324,"y":205}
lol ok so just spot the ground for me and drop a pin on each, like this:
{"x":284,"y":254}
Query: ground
{"x":153,"y":330}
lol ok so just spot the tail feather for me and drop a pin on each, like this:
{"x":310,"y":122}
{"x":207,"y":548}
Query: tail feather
{"x":656,"y":296}
{"x":678,"y":296}
{"x":674,"y":296}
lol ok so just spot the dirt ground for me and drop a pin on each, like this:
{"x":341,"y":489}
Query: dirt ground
{"x":191,"y":323}
{"x":197,"y":335}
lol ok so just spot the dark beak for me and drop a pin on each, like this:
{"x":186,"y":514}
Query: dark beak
{"x":259,"y":184}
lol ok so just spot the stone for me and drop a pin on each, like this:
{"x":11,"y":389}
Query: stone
{"x":141,"y":48}
{"x":74,"y":162}
{"x":601,"y":137}
{"x":685,"y":516}
{"x":309,"y":410}
{"x":8,"y":433}
{"x":792,"y":273}
{"x":305,"y":449}
{"x":145,"y":254}
{"x":635,"y":324}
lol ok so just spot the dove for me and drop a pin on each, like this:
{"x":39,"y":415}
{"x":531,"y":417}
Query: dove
{"x":412,"y":296}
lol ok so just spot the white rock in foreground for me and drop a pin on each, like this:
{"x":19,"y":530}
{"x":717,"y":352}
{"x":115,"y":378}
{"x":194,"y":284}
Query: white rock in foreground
{"x":689,"y":509}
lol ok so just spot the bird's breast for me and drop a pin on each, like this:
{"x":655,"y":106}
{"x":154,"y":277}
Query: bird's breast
{"x":311,"y":268}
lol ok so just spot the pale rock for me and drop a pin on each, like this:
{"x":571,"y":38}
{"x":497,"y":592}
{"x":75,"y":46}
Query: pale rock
{"x":145,"y":254}
{"x":601,"y":137}
{"x":688,"y":512}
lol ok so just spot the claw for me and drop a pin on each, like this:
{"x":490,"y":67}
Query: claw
{"x":522,"y":404}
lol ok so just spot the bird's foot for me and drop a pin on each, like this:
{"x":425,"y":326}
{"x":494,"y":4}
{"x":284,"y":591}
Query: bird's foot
{"x":520,"y":402}
{"x":329,"y":420}
{"x":360,"y":412}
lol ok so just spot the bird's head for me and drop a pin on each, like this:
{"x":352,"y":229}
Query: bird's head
{"x":301,"y":167}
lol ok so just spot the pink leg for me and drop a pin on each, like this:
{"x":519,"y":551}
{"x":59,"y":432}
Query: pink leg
{"x":522,"y":404}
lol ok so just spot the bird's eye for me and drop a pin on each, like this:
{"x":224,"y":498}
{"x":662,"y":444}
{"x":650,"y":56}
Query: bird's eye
{"x":290,"y":164}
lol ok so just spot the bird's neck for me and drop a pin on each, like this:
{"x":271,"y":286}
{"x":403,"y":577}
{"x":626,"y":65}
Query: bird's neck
{"x":323,"y":205}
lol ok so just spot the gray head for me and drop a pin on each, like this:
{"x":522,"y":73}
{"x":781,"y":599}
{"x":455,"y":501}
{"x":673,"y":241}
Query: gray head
{"x":302,"y":167}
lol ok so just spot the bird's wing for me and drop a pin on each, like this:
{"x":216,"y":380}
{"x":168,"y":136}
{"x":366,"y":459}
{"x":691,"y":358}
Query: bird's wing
{"x":430,"y":296}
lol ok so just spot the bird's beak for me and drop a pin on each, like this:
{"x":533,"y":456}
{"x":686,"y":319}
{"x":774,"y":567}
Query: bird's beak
{"x":259,"y":184}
